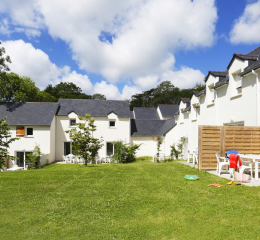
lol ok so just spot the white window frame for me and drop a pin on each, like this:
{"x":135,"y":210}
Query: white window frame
{"x":71,"y":125}
{"x":25,"y":132}
{"x":212,"y":94}
{"x":113,"y":148}
{"x":112,"y":120}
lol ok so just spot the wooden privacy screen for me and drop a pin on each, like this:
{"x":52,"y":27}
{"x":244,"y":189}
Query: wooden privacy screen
{"x":221,"y":139}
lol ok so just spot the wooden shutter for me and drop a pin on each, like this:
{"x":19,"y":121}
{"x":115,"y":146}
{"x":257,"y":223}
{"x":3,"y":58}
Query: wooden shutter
{"x":19,"y":131}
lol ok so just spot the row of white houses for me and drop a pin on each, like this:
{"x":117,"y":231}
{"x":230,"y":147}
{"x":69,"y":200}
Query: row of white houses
{"x":231,"y":97}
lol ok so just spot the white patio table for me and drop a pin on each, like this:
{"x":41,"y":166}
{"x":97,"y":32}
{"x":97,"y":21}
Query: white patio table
{"x":255,"y":160}
{"x":71,"y":158}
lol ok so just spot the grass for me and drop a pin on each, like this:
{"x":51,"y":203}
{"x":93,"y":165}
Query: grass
{"x":143,"y":200}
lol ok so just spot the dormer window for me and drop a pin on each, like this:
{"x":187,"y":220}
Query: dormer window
{"x":112,"y":123}
{"x":238,"y":80}
{"x":211,"y":94}
{"x":72,"y":122}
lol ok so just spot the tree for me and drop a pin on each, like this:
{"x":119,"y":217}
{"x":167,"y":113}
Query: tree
{"x":35,"y":157}
{"x":3,"y":61}
{"x":64,"y":90}
{"x":5,"y":141}
{"x":68,"y":90}
{"x":124,"y":152}
{"x":99,"y":96}
{"x":84,"y":144}
{"x":45,"y":97}
{"x":14,"y":88}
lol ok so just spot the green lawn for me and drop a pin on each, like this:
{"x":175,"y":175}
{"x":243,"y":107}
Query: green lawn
{"x":143,"y":200}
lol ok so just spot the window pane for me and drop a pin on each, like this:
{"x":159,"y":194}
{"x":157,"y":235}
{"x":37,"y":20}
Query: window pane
{"x":112,"y":123}
{"x":29,"y":131}
{"x":20,"y":158}
{"x":66,"y":148}
{"x":109,"y":149}
{"x":72,"y":122}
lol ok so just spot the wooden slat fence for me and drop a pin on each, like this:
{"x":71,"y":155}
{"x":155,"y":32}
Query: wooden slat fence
{"x":221,"y":139}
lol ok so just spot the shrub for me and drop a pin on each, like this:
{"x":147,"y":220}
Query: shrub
{"x":124,"y":152}
{"x":35,"y":157}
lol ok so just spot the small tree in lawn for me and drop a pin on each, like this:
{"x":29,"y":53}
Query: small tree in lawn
{"x":5,"y":141}
{"x":35,"y":157}
{"x":84,"y":144}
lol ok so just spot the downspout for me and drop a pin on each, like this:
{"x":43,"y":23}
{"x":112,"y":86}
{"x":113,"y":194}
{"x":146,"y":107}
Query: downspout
{"x":257,"y":97}
{"x":216,"y":105}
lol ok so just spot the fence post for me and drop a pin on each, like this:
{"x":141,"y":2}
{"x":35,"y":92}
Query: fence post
{"x":200,"y":147}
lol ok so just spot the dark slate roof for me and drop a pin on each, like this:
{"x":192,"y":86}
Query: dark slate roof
{"x":251,"y":57}
{"x":149,"y":128}
{"x":29,"y":113}
{"x":132,"y":115}
{"x":96,"y":108}
{"x":185,"y":100}
{"x":166,"y":127}
{"x":187,"y":109}
{"x":168,"y":110}
{"x":202,"y":92}
{"x":222,"y":82}
{"x":146,"y":113}
{"x":216,"y":74}
{"x":195,"y":93}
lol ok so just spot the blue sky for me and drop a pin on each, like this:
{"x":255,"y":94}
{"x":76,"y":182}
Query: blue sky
{"x":119,"y":48}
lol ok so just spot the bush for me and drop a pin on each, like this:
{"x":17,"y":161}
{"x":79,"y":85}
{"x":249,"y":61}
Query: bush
{"x":124,"y":152}
{"x":35,"y":157}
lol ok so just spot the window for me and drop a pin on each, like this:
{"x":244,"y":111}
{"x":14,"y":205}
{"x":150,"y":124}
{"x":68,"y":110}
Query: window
{"x":112,"y":124}
{"x":19,"y":131}
{"x":110,"y":149}
{"x":20,"y":158}
{"x":72,"y":122}
{"x":211,"y":94}
{"x":68,"y":148}
{"x":29,"y":132}
{"x":239,"y":90}
{"x":238,"y":80}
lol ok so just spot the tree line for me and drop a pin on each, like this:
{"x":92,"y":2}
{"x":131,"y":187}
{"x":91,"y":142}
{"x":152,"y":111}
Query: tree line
{"x":14,"y":88}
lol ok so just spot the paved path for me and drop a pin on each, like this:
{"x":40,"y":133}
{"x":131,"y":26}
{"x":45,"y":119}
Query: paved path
{"x":253,"y":183}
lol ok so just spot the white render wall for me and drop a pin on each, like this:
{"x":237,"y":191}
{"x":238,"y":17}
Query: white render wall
{"x":41,"y":136}
{"x":148,"y":147}
{"x":120,"y":132}
{"x":228,"y":107}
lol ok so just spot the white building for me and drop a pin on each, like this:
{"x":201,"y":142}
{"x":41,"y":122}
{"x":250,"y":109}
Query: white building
{"x":231,"y":97}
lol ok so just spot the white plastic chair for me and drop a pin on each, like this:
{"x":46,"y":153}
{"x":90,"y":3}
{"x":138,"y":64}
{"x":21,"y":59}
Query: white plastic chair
{"x":221,"y":164}
{"x":71,"y":158}
{"x":98,"y":159}
{"x":190,"y":155}
{"x":195,"y":156}
{"x":160,"y":157}
{"x":246,"y":164}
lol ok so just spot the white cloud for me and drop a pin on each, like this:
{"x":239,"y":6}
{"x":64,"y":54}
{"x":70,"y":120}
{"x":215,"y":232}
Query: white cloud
{"x":109,"y":90}
{"x":34,"y":63}
{"x":246,"y":27}
{"x":146,"y":33}
{"x":184,"y":78}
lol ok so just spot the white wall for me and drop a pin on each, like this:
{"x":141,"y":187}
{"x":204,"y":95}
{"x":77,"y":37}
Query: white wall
{"x":120,"y":132}
{"x":41,"y":136}
{"x":148,"y":147}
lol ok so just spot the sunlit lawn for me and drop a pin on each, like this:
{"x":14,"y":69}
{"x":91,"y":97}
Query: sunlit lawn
{"x":143,"y":200}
